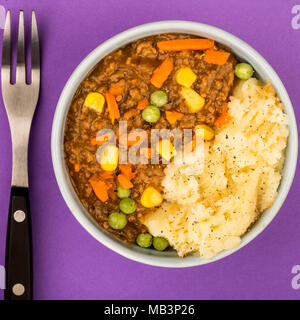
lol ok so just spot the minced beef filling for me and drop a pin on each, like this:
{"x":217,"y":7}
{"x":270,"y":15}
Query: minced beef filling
{"x":132,"y":67}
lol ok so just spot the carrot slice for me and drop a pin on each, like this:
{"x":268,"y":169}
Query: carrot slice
{"x":100,"y":189}
{"x":223,"y":119}
{"x":116,"y":89}
{"x":132,"y":138}
{"x":76,"y":167}
{"x":143,"y":104}
{"x":185,"y":44}
{"x":107,"y":175}
{"x":113,"y":109}
{"x":124,"y":181}
{"x":127,"y":171}
{"x":216,"y":57}
{"x":99,"y":140}
{"x":93,"y":142}
{"x":161,"y":73}
{"x":173,"y":116}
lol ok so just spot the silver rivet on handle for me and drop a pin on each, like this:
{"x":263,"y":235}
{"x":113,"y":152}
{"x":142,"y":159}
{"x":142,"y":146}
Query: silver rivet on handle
{"x":18,"y":289}
{"x":19,"y":216}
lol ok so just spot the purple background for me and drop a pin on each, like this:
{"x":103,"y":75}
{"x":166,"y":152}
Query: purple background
{"x":68,"y":262}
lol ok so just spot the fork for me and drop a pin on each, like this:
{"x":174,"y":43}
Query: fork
{"x":20,"y":100}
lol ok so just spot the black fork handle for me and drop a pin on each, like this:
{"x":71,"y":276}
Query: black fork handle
{"x":19,"y":247}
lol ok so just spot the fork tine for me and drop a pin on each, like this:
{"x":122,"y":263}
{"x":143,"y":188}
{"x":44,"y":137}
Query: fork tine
{"x":5,"y":68}
{"x":35,"y":51}
{"x":21,"y":71}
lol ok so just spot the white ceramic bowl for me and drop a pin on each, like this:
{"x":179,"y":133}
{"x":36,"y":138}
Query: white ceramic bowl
{"x":242,"y":50}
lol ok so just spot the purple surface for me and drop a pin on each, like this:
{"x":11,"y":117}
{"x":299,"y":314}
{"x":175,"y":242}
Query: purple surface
{"x":68,"y":262}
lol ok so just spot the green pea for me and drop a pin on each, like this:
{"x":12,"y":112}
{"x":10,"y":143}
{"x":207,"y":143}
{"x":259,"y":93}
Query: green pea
{"x":144,"y":240}
{"x":151,"y":114}
{"x":123,"y":193}
{"x":160,"y":243}
{"x":158,"y":98}
{"x":244,"y":71}
{"x":117,"y":220}
{"x":127,"y":205}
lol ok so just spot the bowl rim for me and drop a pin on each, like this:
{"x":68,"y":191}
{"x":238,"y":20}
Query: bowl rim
{"x":146,"y":256}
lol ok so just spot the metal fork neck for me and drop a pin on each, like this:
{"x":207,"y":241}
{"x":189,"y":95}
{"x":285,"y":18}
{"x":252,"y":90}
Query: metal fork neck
{"x":20,"y":137}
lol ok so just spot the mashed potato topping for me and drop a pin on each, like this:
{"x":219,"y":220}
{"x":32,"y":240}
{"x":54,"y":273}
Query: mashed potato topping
{"x":207,"y":211}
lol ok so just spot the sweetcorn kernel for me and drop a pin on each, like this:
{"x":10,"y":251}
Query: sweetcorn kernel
{"x":110,"y":158}
{"x":95,"y":101}
{"x":185,"y":76}
{"x":205,"y":131}
{"x":193,"y":100}
{"x":151,"y":198}
{"x":166,"y":149}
